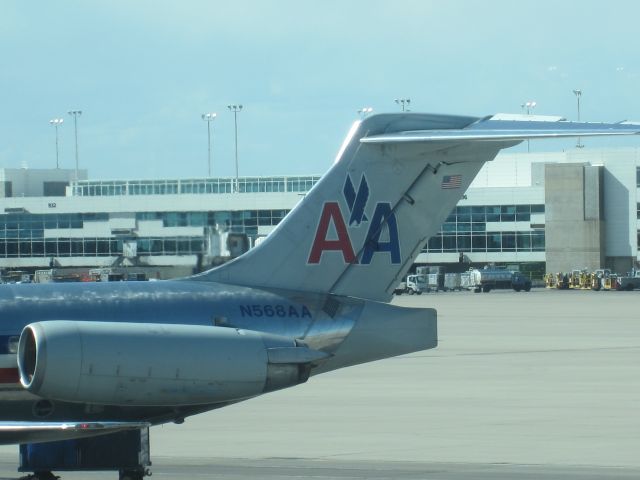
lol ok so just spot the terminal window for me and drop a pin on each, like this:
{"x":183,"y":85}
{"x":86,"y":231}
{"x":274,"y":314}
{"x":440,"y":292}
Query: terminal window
{"x":489,"y":228}
{"x":54,"y":189}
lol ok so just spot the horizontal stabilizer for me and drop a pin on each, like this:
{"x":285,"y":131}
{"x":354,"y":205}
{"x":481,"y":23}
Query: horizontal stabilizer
{"x":499,"y":130}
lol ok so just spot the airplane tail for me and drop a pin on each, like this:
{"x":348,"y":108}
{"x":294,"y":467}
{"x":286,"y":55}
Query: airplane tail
{"x":396,"y":178}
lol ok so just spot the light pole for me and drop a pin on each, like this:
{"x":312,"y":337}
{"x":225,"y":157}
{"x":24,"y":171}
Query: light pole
{"x":75,"y":114}
{"x":235,"y":109}
{"x":404,"y":102}
{"x":530,"y":105}
{"x":209,"y":117}
{"x":56,"y":122}
{"x":578,"y":94}
{"x":364,"y":111}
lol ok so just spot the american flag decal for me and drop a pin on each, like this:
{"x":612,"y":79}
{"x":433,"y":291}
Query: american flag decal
{"x":451,"y":181}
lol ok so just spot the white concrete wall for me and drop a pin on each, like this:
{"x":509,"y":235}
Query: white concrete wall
{"x":620,"y":193}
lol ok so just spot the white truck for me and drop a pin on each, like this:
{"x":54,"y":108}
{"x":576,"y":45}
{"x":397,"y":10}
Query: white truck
{"x":412,"y":284}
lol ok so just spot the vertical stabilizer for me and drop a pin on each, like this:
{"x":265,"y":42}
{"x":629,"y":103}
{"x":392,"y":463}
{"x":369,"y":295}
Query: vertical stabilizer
{"x":361,"y":226}
{"x":395,"y":180}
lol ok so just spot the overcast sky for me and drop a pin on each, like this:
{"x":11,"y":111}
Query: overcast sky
{"x":143,"y":72}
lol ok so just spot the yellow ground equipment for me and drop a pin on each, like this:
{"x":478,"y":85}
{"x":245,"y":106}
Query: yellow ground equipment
{"x":603,"y":279}
{"x":562,"y":281}
{"x":550,"y":280}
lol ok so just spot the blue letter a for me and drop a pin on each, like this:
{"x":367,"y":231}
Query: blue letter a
{"x":381,"y":217}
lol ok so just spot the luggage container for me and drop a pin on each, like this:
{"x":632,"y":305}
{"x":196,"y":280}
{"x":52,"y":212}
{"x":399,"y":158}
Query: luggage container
{"x":126,"y":452}
{"x":452,"y":281}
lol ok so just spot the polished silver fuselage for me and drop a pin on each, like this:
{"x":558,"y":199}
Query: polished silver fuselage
{"x":320,"y":323}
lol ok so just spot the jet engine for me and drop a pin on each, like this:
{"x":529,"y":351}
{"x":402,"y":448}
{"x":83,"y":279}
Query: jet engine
{"x":143,"y":364}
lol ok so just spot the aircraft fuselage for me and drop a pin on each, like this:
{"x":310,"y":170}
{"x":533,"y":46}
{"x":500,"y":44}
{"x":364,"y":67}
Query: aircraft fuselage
{"x":298,"y":316}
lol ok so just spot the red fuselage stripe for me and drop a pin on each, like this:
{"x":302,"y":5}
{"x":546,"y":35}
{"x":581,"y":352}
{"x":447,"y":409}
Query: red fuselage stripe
{"x":9,"y":375}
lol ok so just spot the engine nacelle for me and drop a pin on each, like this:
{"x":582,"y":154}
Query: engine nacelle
{"x":156,"y":364}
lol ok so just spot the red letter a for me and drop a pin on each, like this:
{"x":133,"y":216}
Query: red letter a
{"x":331,"y":211}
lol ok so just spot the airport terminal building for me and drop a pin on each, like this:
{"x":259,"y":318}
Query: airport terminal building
{"x":540,"y":211}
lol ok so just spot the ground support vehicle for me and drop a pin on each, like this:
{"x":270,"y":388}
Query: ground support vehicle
{"x":452,"y":281}
{"x":628,"y":282}
{"x":435,"y":281}
{"x":549,"y":280}
{"x":562,"y":281}
{"x":413,"y":284}
{"x":579,"y":279}
{"x":126,"y":452}
{"x":487,"y":279}
{"x":465,"y":281}
{"x":520,"y":282}
{"x":416,"y":284}
{"x":603,"y":279}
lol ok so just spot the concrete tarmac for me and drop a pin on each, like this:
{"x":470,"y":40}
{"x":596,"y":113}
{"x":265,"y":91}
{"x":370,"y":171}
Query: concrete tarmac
{"x":544,"y":384}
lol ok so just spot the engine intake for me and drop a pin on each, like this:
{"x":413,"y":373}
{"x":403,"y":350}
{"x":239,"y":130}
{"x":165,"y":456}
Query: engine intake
{"x":156,"y":364}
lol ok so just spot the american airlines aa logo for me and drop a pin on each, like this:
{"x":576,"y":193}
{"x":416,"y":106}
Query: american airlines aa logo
{"x":332,"y":233}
